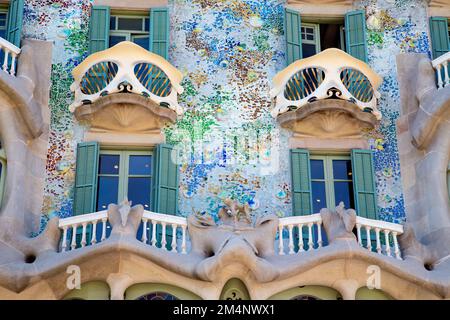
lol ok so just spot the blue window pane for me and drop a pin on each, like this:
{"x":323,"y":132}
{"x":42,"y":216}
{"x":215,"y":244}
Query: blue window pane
{"x":3,"y":35}
{"x":317,"y":171}
{"x":109,"y":164}
{"x":343,"y":191}
{"x":342,"y":169}
{"x":113,"y":40}
{"x":147,"y":24}
{"x":318,"y":196}
{"x":142,"y":41}
{"x":139,"y":191}
{"x":1,"y":170}
{"x":140,"y":165}
{"x":130,"y":24}
{"x":112,"y":23}
{"x":108,"y":189}
{"x":308,"y":50}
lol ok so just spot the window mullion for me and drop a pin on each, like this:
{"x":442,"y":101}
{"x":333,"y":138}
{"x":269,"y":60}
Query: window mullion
{"x":329,"y":183}
{"x":122,"y":194}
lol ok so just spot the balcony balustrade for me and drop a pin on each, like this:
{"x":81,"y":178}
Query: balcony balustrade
{"x":169,"y":233}
{"x":127,"y":67}
{"x":162,"y":238}
{"x":390,"y":231}
{"x":331,"y":73}
{"x":440,"y":64}
{"x":9,"y":54}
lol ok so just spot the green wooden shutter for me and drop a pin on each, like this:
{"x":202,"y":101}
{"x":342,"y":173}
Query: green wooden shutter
{"x":99,"y":29}
{"x":439,"y":36}
{"x":293,"y":35}
{"x":15,"y":19}
{"x":159,"y":32}
{"x":364,"y":183}
{"x":86,"y":178}
{"x":355,"y":34}
{"x":301,"y":182}
{"x":165,"y":188}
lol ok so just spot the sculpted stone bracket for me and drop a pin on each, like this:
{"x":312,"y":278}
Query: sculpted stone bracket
{"x":125,"y":112}
{"x":328,"y":119}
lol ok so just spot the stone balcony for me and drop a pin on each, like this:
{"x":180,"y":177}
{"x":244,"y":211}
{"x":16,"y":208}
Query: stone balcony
{"x":330,"y":94}
{"x":126,"y":89}
{"x":80,"y":231}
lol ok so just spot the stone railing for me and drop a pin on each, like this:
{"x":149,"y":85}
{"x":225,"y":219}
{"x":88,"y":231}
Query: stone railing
{"x":9,"y":54}
{"x":331,"y":73}
{"x":306,"y":225}
{"x":440,"y":64}
{"x":158,"y":230}
{"x":155,"y":231}
{"x":295,"y":234}
{"x":387,"y":244}
{"x":127,"y":67}
{"x":80,"y":231}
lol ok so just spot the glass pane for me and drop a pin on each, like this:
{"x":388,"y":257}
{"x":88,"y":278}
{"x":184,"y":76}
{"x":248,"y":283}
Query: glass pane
{"x":1,"y":170}
{"x":139,"y":191}
{"x":310,"y":37}
{"x":3,"y":35}
{"x":147,"y":24}
{"x":112,"y":23}
{"x":317,"y":169}
{"x":3,"y":20}
{"x":342,"y":169}
{"x":108,"y":189}
{"x":343,"y":191}
{"x":140,"y":165}
{"x":109,"y":164}
{"x":318,"y":196}
{"x":142,"y":41}
{"x":308,"y":50}
{"x":130,"y":24}
{"x":113,"y":40}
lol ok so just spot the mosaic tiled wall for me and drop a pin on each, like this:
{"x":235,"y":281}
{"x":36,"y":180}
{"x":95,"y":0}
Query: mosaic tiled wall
{"x":394,"y":26}
{"x":228,"y":51}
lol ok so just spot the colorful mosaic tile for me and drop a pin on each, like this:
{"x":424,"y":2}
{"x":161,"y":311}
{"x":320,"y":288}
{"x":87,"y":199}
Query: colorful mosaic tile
{"x":228,"y":51}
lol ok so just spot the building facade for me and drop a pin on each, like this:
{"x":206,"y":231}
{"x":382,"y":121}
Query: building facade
{"x":226,"y":149}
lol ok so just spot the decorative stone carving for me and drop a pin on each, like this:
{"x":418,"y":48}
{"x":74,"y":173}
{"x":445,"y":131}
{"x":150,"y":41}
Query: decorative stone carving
{"x":125,"y":112}
{"x":235,"y":239}
{"x":331,"y":63}
{"x":233,"y":213}
{"x":339,"y":223}
{"x":124,"y":218}
{"x":126,"y":55}
{"x":328,"y":119}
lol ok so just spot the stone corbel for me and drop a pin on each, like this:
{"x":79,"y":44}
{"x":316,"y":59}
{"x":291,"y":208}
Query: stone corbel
{"x":339,"y":223}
